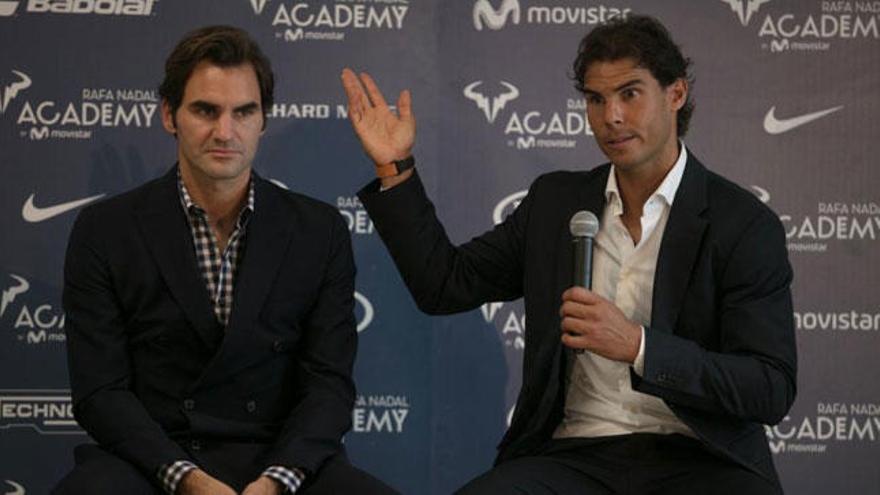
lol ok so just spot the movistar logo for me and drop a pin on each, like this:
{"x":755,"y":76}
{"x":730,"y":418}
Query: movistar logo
{"x":494,"y":19}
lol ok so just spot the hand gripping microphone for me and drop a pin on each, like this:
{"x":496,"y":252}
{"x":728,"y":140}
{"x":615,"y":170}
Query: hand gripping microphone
{"x":583,"y":226}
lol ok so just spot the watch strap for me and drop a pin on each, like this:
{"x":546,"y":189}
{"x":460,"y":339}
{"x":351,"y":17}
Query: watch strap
{"x":396,"y":167}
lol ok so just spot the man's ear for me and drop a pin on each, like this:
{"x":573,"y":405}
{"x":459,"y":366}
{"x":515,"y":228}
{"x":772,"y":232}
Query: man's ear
{"x":677,"y":93}
{"x":168,"y":120}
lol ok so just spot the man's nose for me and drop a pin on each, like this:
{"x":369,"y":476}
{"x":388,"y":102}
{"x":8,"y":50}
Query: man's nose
{"x":223,"y":127}
{"x":613,"y":113}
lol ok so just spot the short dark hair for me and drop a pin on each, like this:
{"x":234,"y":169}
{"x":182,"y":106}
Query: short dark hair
{"x":645,"y":40}
{"x":224,"y":46}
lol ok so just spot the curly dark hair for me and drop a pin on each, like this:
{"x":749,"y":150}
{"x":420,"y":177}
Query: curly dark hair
{"x":643,"y":39}
{"x":225,"y":46}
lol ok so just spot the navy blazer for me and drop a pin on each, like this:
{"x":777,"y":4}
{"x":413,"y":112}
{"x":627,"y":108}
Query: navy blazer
{"x":152,"y":371}
{"x":720,"y":350}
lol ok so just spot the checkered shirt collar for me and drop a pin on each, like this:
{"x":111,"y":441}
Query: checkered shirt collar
{"x":190,"y":207}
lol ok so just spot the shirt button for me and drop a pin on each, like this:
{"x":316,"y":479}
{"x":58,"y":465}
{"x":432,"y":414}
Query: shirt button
{"x":278,"y":346}
{"x":251,"y":406}
{"x":189,"y":404}
{"x":195,"y":445}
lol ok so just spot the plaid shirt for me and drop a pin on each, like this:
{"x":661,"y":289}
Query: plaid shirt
{"x":219,"y":269}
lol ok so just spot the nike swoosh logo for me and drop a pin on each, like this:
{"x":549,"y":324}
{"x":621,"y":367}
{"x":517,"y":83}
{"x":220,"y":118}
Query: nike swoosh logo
{"x":35,"y":214}
{"x":775,"y":126}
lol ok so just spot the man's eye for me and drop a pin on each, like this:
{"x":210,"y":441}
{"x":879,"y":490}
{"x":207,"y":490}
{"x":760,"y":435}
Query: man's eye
{"x":629,"y":93}
{"x":593,"y":100}
{"x":205,"y":112}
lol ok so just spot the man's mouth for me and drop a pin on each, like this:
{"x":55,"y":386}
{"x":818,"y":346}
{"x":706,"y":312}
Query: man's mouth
{"x":619,"y":142}
{"x":224,"y":152}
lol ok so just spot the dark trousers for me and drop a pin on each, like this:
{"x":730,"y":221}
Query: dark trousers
{"x":638,"y":464}
{"x":99,"y":472}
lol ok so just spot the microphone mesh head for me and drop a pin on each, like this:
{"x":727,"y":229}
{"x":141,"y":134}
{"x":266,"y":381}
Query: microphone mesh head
{"x":584,"y":224}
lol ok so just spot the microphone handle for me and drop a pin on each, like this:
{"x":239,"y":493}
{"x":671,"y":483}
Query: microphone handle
{"x":583,"y":266}
{"x":583,"y":262}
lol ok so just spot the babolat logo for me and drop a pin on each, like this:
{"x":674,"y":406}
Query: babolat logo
{"x":510,"y":12}
{"x":380,"y":414}
{"x":97,"y":108}
{"x":829,"y":22}
{"x":49,"y":412}
{"x":99,"y":7}
{"x":363,"y":311}
{"x":32,"y":324}
{"x":833,"y":424}
{"x":526,"y":128}
{"x":8,"y":8}
{"x":355,"y":215}
{"x":303,"y":21}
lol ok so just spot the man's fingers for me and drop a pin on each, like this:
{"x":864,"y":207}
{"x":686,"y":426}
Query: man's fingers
{"x":357,"y":99}
{"x":404,"y":106}
{"x":579,"y":310}
{"x":353,"y":89}
{"x":581,"y":295}
{"x":373,"y":91}
{"x":574,"y":326}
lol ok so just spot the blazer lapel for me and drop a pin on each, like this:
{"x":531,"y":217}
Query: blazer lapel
{"x":680,"y":246}
{"x":166,"y":232}
{"x":269,"y":232}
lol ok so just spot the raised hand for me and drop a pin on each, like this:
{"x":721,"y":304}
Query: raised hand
{"x":385,"y":136}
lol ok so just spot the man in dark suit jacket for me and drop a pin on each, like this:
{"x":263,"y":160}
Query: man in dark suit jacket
{"x":688,"y":329}
{"x":210,"y":320}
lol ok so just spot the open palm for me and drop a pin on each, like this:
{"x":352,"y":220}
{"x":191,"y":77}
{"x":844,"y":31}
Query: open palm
{"x":385,"y":136}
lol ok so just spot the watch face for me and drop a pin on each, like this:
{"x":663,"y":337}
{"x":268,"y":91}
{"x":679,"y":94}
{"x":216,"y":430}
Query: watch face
{"x":405,"y":164}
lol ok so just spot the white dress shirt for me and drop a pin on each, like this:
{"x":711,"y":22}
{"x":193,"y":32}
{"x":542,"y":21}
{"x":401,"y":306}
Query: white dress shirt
{"x":600,"y":399}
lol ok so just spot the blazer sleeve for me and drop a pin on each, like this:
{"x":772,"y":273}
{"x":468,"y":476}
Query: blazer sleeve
{"x":444,"y":278}
{"x":752,"y":375}
{"x":314,"y":428}
{"x":98,"y":359}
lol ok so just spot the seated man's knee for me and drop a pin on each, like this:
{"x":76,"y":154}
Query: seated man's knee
{"x":99,"y":472}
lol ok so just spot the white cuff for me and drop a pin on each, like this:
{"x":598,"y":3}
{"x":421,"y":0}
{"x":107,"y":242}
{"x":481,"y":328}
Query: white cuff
{"x":639,"y":363}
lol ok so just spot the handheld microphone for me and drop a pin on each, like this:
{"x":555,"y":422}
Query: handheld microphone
{"x":583,"y":227}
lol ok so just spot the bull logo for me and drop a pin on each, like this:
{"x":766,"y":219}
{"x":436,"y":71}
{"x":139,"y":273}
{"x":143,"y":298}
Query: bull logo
{"x":491,"y":107}
{"x":745,"y":9}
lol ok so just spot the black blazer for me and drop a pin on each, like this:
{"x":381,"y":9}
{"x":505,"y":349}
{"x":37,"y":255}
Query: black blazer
{"x":720,"y":350}
{"x":152,"y":371}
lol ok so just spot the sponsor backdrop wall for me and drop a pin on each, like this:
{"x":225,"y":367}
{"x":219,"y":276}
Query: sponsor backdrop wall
{"x":787,"y":94}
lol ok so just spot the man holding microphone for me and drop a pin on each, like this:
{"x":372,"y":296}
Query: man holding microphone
{"x":686,"y":341}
